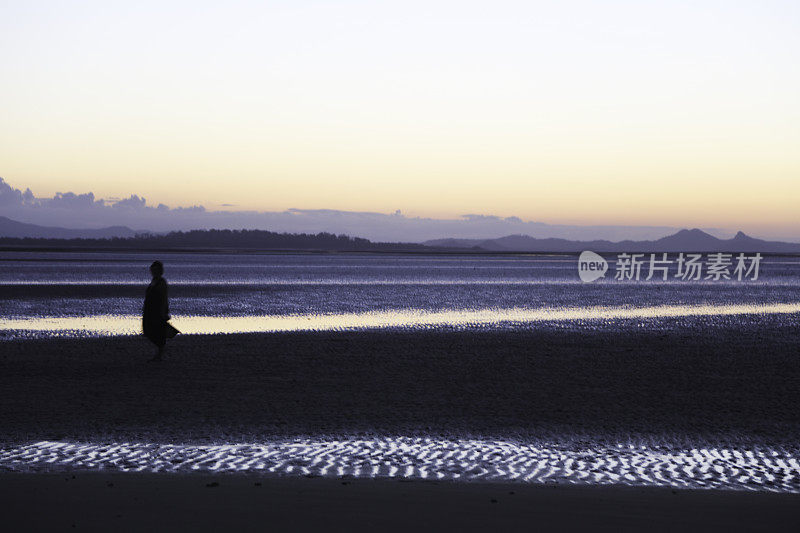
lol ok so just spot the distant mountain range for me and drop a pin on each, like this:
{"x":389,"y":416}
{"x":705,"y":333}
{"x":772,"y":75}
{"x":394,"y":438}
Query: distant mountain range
{"x":685,"y":240}
{"x":12,"y":228}
{"x":694,"y":240}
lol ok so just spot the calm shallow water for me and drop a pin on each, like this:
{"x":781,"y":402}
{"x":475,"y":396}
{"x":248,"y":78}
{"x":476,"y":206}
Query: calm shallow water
{"x":113,"y":325}
{"x":102,"y":293}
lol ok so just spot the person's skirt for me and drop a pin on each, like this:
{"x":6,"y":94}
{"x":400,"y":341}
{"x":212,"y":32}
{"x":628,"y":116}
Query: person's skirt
{"x":155,"y":330}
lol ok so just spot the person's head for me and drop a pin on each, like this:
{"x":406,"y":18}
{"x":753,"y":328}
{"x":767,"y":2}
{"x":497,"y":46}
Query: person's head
{"x":157,"y":269}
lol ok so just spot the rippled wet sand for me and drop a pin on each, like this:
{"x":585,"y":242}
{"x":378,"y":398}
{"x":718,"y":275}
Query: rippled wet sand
{"x":760,"y":469}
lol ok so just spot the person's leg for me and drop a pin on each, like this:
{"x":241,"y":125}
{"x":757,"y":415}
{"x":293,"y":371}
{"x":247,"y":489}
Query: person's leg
{"x":159,"y":353}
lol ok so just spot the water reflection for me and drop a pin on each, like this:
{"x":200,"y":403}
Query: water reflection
{"x":114,"y":325}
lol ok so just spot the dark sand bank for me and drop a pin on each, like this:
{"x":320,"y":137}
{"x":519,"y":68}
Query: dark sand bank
{"x":720,"y":382}
{"x":169,"y":502}
{"x":727,"y":380}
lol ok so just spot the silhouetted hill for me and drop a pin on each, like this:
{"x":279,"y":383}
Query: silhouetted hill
{"x":694,"y":240}
{"x":17,"y":234}
{"x":221,"y":239}
{"x":12,"y":228}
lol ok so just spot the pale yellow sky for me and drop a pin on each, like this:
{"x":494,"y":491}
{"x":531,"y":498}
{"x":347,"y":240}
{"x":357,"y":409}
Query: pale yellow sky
{"x":657,"y":113}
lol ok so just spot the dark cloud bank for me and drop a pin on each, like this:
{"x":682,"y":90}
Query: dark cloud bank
{"x":71,"y":210}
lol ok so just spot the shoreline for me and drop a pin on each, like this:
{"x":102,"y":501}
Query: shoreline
{"x":376,"y":322}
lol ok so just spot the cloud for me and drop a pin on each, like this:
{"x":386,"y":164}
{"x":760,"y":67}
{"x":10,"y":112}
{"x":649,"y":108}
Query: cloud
{"x":70,"y":200}
{"x":71,"y":210}
{"x":134,"y":202}
{"x":9,"y":195}
{"x":192,"y":209}
{"x":479,"y":218}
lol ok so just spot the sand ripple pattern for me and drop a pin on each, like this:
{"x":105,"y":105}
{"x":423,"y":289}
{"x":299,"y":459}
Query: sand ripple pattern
{"x":759,"y":469}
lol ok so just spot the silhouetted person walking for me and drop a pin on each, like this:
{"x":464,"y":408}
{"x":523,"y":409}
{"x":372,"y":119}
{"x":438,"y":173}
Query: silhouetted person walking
{"x":156,"y":311}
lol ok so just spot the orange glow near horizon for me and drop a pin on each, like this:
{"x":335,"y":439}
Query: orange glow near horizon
{"x":580,"y":113}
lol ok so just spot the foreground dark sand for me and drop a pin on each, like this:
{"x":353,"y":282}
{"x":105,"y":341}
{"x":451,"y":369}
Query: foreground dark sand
{"x":725,"y":381}
{"x":169,"y":502}
{"x":673,"y":383}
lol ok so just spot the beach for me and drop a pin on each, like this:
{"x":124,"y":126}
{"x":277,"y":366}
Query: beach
{"x":168,"y":502}
{"x":398,"y":266}
{"x":397,"y":392}
{"x":719,"y":381}
{"x":310,"y":416}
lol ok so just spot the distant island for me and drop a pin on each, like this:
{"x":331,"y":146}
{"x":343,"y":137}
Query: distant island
{"x":218,"y":240}
{"x":17,"y":235}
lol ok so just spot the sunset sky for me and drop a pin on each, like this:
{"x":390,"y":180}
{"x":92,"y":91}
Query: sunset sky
{"x":679,"y":113}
